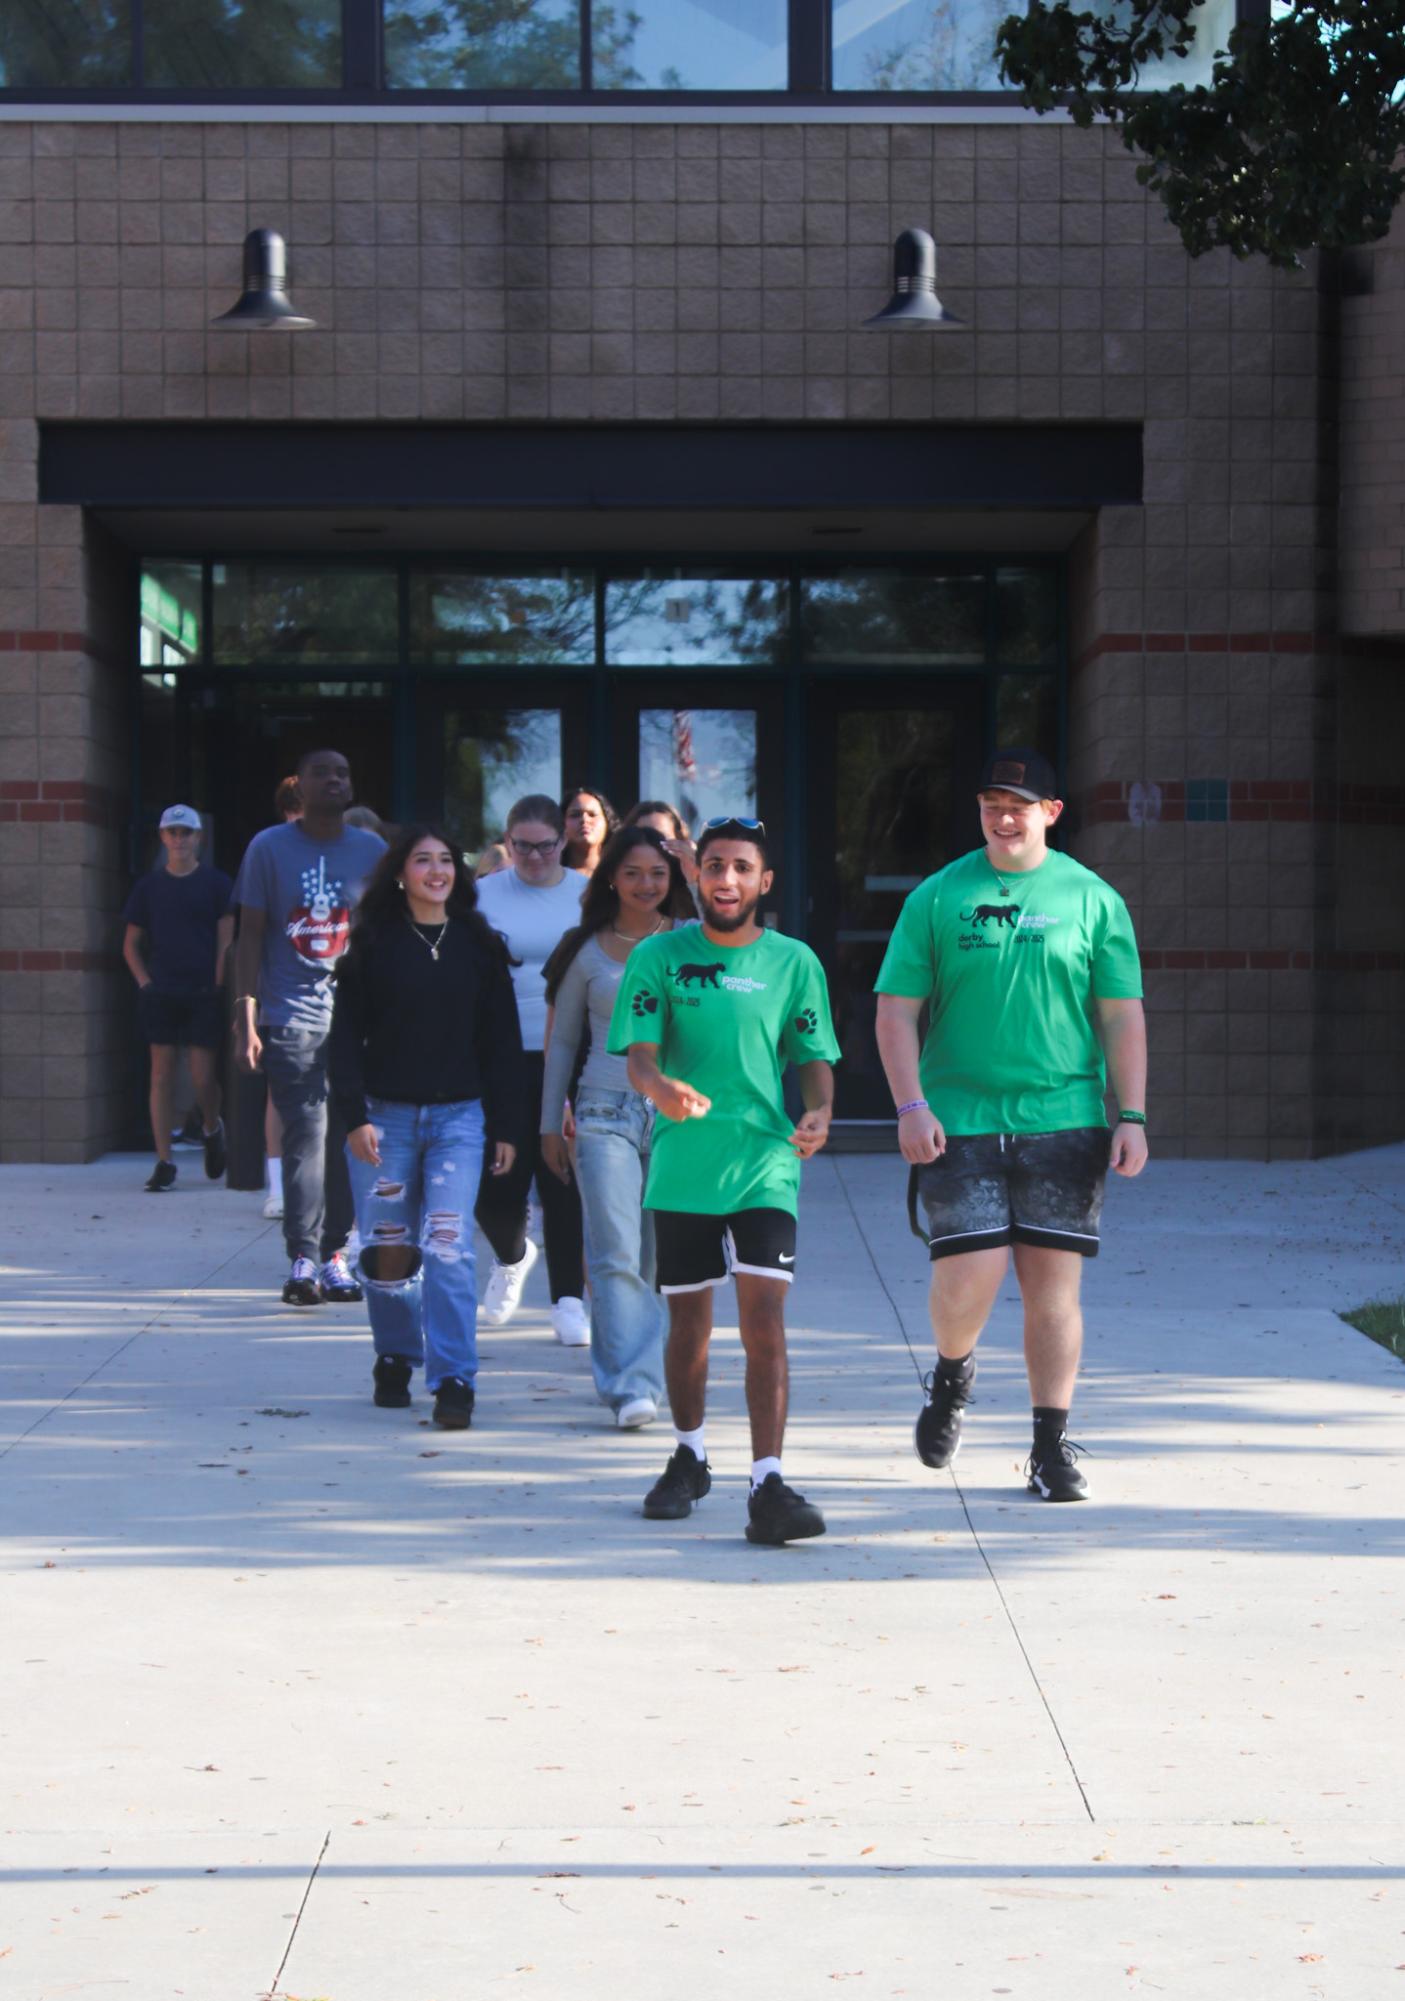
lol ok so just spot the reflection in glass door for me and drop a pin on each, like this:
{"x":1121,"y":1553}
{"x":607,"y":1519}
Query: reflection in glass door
{"x":479,"y":752}
{"x":701,"y":760}
{"x":902,"y":780}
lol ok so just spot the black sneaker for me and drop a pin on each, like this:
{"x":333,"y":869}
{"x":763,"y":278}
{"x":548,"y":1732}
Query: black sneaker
{"x":679,"y":1488}
{"x":300,"y":1286}
{"x":391,"y":1376}
{"x":938,"y":1432}
{"x":453,"y":1404}
{"x":1052,"y":1470}
{"x":777,"y":1514}
{"x":213,"y":1144}
{"x":161,"y":1178}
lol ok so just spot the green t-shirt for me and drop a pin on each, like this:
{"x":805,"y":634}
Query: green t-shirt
{"x":726,"y":1018}
{"x":1013,"y":1044}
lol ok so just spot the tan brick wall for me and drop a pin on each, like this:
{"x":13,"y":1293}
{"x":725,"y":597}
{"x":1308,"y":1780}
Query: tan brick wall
{"x":701,"y":271}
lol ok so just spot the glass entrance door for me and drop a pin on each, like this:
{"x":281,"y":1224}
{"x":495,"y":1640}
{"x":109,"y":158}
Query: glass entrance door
{"x":894,"y":771}
{"x":483,"y":745}
{"x":707,"y":746}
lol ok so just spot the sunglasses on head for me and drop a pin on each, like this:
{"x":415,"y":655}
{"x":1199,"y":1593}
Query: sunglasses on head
{"x":734,"y":820}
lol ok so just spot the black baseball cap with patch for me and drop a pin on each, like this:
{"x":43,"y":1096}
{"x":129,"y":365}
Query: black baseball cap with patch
{"x":1022,"y":771}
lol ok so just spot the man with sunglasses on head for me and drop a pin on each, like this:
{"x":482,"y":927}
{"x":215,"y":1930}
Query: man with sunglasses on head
{"x":1030,"y":966}
{"x":707,"y":1015}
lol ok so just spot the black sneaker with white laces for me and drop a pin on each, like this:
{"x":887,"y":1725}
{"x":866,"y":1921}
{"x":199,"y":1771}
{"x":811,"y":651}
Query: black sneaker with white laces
{"x":391,"y":1376}
{"x":937,"y":1435}
{"x":453,"y":1404}
{"x":1052,"y":1469}
{"x":162,"y":1177}
{"x":777,"y":1514}
{"x":679,"y":1488}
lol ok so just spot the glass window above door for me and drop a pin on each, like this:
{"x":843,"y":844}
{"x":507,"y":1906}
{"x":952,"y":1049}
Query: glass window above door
{"x":543,"y":618}
{"x":689,"y":45}
{"x":682,"y":618}
{"x":483,"y":44}
{"x":303,"y":614}
{"x":889,"y":618}
{"x":702,"y":759}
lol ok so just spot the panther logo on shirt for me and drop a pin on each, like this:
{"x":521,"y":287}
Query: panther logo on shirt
{"x":318,"y":928}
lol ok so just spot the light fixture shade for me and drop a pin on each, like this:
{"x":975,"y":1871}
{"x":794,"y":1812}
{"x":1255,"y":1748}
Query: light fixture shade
{"x":264,"y":304}
{"x":914,"y":303}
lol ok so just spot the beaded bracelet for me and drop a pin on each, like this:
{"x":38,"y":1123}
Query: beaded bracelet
{"x":915,"y":1105}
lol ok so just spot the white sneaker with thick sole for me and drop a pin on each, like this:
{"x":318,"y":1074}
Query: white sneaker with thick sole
{"x":635,"y":1414}
{"x":571,"y":1322}
{"x":503,"y":1293}
{"x":273,"y":1207}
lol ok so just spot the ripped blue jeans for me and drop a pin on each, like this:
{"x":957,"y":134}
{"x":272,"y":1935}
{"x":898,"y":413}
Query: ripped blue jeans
{"x":421,"y":1199}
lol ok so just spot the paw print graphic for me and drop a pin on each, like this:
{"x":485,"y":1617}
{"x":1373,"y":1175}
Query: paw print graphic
{"x":807,"y":1022}
{"x":646,"y":1004}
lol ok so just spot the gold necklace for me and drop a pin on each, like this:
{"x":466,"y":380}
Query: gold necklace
{"x":628,"y":937}
{"x":433,"y":949}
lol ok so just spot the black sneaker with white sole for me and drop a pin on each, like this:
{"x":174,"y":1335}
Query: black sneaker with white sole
{"x":300,"y":1286}
{"x":679,"y":1488}
{"x":162,"y":1177}
{"x":391,"y":1376}
{"x":937,"y":1435}
{"x":453,"y":1404}
{"x":777,"y":1514}
{"x":1052,"y":1470}
{"x":216,"y":1157}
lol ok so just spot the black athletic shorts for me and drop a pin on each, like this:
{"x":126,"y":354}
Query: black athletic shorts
{"x":989,"y":1189}
{"x":170,"y":1018}
{"x":694,"y":1252}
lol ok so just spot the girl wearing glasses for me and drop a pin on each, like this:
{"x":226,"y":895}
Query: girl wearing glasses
{"x":636,"y":892}
{"x":533,"y":903}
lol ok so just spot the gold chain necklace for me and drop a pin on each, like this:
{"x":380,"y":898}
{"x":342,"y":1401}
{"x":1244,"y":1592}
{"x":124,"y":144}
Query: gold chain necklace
{"x":628,"y":937}
{"x":432,"y":949}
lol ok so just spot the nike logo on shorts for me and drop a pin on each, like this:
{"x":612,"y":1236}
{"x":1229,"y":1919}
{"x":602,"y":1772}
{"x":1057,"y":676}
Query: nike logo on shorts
{"x":785,"y":1258}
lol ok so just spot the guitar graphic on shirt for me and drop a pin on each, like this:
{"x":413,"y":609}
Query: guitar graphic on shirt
{"x":319,"y":927}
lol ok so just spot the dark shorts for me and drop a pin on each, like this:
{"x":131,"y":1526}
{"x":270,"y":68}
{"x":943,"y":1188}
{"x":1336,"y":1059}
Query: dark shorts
{"x":990,"y":1189}
{"x":169,"y":1018}
{"x":694,"y":1252}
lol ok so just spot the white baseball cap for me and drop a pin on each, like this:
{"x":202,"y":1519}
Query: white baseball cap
{"x":181,"y":816}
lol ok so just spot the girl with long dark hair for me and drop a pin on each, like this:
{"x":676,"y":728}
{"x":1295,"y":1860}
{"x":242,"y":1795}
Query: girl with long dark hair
{"x":590,"y":820}
{"x":426,"y":1069}
{"x":636,"y":891}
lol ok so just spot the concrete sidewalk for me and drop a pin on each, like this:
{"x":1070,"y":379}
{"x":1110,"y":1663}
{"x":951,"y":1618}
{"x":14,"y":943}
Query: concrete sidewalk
{"x":304,"y":1698}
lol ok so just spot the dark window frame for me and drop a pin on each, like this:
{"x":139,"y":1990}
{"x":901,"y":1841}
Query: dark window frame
{"x":363,"y":62}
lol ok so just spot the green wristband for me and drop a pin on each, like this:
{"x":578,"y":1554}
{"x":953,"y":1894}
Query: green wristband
{"x":1131,"y":1118}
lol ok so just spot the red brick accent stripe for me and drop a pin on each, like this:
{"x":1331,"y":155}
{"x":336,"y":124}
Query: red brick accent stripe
{"x":45,"y":642}
{"x":59,"y":962}
{"x":52,"y":799}
{"x":1195,"y":959}
{"x":1261,"y":799}
{"x":1205,"y":642}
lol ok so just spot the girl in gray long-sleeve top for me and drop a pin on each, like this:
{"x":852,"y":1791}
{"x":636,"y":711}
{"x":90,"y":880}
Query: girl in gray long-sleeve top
{"x":636,"y":891}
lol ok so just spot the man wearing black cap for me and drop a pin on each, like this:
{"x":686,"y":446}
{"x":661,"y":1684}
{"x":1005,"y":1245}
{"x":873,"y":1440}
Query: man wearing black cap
{"x":1030,"y":966}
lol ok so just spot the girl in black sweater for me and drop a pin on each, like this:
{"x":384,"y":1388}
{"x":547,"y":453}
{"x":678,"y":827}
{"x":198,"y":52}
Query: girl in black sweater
{"x":426,"y":1070}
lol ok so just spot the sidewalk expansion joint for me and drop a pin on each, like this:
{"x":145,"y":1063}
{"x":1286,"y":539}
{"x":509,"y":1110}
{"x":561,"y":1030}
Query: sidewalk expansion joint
{"x":985,"y":1559}
{"x":297,"y":1919}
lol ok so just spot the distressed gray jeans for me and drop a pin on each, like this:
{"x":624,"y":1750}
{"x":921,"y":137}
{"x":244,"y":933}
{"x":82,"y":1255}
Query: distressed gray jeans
{"x":317,"y":1211}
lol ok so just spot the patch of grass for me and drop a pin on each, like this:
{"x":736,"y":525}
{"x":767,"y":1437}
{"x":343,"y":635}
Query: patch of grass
{"x":1384,"y":1321}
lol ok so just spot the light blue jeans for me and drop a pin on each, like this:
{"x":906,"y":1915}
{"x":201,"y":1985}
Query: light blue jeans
{"x":627,"y":1317}
{"x":421,"y":1199}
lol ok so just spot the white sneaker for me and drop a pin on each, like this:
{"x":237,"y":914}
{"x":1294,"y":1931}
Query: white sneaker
{"x":639,"y":1411}
{"x":572,"y":1323}
{"x":503,"y":1293}
{"x":273,"y":1206}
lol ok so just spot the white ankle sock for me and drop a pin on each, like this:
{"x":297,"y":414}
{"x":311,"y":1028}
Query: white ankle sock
{"x":275,"y":1177}
{"x":693,"y":1440}
{"x":759,"y":1470}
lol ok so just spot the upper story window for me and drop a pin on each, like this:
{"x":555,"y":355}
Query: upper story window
{"x":370,"y":51}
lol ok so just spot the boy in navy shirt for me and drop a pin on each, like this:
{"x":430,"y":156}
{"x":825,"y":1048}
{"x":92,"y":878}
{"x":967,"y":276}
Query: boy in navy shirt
{"x":179,"y":928}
